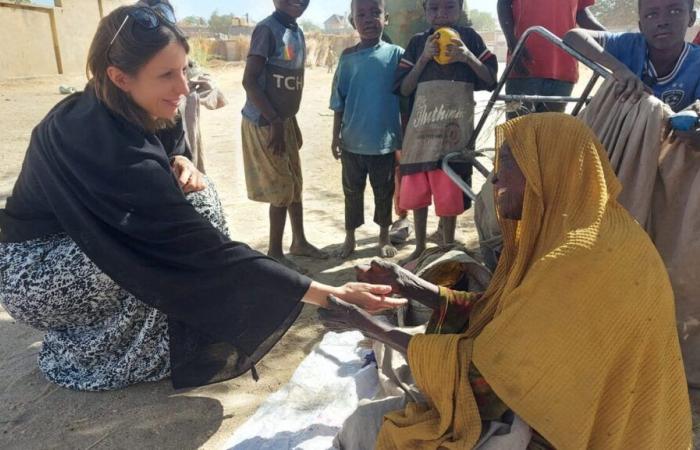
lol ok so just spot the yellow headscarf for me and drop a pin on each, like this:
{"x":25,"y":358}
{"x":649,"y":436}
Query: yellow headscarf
{"x":576,"y":332}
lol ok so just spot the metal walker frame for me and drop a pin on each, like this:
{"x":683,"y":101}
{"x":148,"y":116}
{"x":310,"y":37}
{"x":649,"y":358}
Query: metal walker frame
{"x":470,"y":154}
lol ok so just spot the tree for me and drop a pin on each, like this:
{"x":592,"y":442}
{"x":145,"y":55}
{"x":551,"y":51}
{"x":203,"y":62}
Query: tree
{"x":482,"y":21}
{"x":194,"y":21}
{"x":310,"y":26}
{"x":220,"y":23}
{"x":618,"y":14}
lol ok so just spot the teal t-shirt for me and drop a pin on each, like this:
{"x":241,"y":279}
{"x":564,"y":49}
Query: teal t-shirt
{"x":363,"y":92}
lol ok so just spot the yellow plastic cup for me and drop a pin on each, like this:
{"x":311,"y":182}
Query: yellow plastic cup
{"x":446,"y":35}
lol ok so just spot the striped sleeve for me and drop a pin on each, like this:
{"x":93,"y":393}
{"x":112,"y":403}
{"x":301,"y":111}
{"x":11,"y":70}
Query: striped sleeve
{"x":476,"y":45}
{"x":407,"y":62}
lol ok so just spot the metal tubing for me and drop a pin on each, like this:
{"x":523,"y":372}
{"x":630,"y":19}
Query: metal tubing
{"x":538,"y":99}
{"x":547,"y":35}
{"x":469,"y":154}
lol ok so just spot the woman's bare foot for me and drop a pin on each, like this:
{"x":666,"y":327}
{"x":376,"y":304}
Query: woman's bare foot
{"x":308,"y":250}
{"x":348,"y":246}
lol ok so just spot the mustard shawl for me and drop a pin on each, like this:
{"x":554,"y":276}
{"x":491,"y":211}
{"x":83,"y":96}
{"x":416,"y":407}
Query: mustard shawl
{"x":576,"y":332}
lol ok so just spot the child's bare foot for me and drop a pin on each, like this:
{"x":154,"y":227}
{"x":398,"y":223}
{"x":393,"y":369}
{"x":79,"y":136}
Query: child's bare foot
{"x":348,"y":247}
{"x":413,"y":256}
{"x":386,"y":250}
{"x":308,"y":250}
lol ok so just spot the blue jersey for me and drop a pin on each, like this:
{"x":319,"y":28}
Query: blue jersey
{"x":362,"y":91}
{"x":679,"y":89}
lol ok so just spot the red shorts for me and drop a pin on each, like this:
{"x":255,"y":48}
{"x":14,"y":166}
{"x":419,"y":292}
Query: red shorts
{"x":418,"y":190}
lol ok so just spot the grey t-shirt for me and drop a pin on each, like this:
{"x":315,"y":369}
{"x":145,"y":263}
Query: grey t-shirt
{"x":284,"y":49}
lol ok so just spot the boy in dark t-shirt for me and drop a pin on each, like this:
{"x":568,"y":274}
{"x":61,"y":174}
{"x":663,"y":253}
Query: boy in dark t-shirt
{"x":271,"y":138}
{"x":442,"y":115}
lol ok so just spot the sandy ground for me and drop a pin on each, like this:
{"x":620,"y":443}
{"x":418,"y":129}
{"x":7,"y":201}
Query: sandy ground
{"x":37,"y":414}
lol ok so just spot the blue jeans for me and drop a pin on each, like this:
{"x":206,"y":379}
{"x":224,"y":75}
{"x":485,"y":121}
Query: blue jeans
{"x":538,"y":86}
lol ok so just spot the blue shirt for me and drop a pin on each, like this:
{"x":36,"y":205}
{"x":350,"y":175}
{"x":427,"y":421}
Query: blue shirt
{"x":362,"y":91}
{"x":284,"y":49}
{"x":679,"y":89}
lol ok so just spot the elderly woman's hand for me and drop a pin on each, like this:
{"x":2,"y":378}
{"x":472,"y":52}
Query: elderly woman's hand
{"x":342,"y":316}
{"x":190,"y":179}
{"x":370,"y":297}
{"x":402,"y":282}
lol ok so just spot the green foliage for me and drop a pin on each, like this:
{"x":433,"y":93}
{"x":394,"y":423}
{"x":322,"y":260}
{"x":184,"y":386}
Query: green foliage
{"x":309,"y":26}
{"x":220,"y":23}
{"x":194,"y":21}
{"x":619,"y":13}
{"x":482,"y":21}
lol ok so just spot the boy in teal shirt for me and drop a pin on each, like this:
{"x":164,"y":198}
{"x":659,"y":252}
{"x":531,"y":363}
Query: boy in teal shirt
{"x":367,"y":126}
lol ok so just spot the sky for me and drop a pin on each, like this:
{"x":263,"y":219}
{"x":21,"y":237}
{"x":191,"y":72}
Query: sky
{"x":319,"y":10}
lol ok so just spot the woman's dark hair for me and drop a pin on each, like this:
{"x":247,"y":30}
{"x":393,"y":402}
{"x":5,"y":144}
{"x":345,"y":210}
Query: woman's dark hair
{"x":131,"y":50}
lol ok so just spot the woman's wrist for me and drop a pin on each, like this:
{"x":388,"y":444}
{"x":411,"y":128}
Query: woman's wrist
{"x":318,"y":293}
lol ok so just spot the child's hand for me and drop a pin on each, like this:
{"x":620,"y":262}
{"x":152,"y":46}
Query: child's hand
{"x":457,"y":51}
{"x":276,"y":143}
{"x":431,"y":50}
{"x":629,"y":86}
{"x":337,"y":148}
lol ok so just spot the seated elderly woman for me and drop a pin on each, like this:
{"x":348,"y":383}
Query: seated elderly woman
{"x":575,"y":335}
{"x":115,"y":245}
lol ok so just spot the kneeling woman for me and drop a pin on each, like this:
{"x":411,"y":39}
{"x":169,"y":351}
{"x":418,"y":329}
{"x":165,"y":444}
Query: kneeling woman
{"x":576,"y":332}
{"x":116,"y":246}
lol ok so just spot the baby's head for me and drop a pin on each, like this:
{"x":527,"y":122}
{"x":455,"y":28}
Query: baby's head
{"x":369,"y":18}
{"x":664,"y":23}
{"x":443,"y":13}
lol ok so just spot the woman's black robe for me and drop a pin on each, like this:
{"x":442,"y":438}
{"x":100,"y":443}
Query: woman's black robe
{"x":109,"y":185}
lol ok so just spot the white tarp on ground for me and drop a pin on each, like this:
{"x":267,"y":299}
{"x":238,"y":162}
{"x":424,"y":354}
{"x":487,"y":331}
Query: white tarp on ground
{"x":309,"y":411}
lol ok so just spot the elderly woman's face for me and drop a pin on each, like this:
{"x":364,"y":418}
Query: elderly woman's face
{"x":509,"y":185}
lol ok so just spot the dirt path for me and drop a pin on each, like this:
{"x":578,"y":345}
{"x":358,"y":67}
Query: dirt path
{"x":36,"y":414}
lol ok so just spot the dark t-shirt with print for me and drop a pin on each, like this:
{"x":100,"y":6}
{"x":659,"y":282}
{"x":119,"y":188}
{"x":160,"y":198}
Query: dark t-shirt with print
{"x":456,"y":71}
{"x":282,"y":45}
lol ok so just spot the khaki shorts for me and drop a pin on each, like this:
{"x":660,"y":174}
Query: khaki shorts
{"x":270,"y":178}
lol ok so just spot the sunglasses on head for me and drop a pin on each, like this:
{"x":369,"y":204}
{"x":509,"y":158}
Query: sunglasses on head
{"x":147,"y":17}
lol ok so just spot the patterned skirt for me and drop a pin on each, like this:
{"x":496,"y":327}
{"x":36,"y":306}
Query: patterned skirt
{"x":98,"y":336}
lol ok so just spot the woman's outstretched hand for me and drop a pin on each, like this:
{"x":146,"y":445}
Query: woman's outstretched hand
{"x":372,"y":298}
{"x":402,"y":282}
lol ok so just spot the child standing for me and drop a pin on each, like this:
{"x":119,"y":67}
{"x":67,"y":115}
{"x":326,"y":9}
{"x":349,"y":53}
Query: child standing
{"x":274,"y":80}
{"x":367,"y":125}
{"x":442,"y":115}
